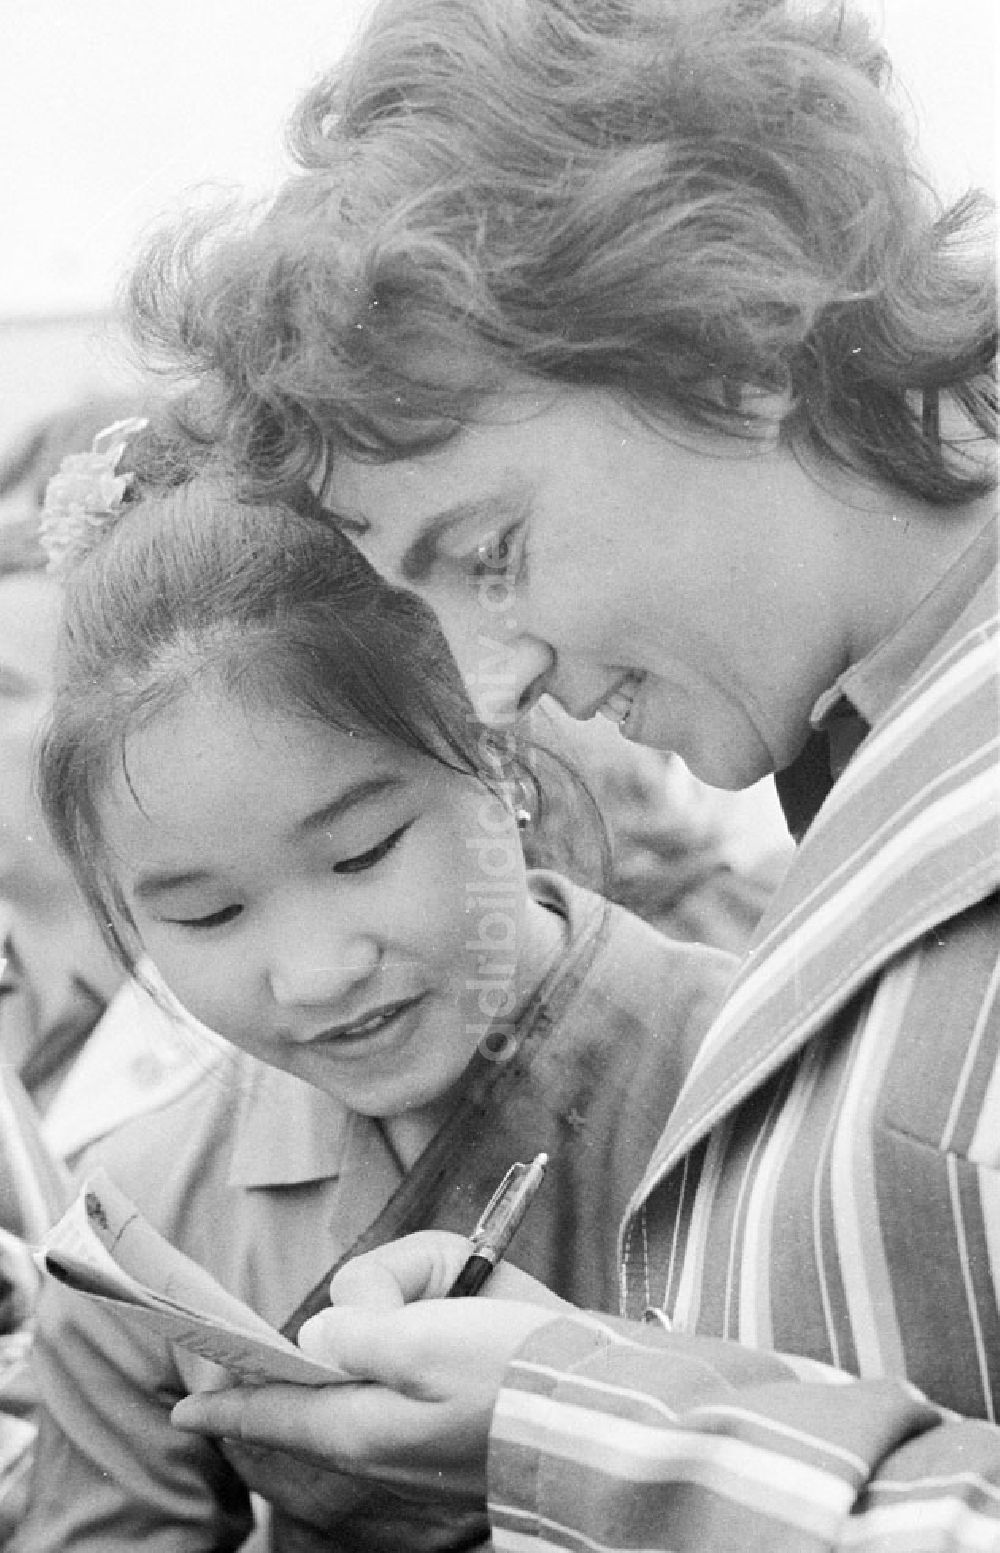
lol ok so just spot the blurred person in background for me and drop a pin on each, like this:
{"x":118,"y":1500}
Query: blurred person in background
{"x":54,"y":978}
{"x":58,"y":974}
{"x":61,"y":992}
{"x":60,"y":986}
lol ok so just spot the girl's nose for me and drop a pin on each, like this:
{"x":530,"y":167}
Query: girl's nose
{"x":319,"y":968}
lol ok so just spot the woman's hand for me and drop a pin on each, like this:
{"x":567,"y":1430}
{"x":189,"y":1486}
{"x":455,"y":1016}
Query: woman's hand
{"x":427,"y":1372}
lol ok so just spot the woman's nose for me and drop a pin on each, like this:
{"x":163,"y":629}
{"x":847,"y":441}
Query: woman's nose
{"x":534,"y":664}
{"x":318,"y":966}
{"x":504,"y":676}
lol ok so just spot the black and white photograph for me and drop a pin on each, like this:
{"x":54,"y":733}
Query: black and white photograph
{"x":499,"y":777}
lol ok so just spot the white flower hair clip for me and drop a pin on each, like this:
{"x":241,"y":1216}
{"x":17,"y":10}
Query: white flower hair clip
{"x":85,"y":495}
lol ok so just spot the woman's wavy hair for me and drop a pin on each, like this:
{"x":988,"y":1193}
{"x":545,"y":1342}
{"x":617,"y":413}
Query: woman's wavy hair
{"x":271,"y":604}
{"x":691,"y":202}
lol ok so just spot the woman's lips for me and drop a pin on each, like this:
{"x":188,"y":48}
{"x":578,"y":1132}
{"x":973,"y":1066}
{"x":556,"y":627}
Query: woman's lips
{"x":618,"y":705}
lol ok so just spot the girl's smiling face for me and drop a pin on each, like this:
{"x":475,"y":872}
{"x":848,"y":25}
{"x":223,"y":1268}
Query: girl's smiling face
{"x":321,"y":899}
{"x":568,"y":546}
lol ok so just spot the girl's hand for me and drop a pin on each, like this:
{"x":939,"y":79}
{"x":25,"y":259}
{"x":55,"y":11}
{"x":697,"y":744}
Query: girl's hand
{"x":428,"y":1371}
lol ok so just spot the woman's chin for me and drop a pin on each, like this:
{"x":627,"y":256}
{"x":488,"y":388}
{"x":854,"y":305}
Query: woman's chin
{"x":729,"y":755}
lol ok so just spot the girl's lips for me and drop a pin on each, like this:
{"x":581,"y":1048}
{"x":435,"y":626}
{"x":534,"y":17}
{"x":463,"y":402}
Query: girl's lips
{"x":362,"y":1033}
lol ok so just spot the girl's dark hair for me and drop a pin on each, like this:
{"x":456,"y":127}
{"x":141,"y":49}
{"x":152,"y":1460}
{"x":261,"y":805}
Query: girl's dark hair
{"x":270,"y":603}
{"x":690,"y":202}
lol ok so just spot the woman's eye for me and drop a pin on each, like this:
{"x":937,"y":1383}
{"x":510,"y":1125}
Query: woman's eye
{"x":497,"y":555}
{"x":210,"y":919}
{"x":357,"y":865}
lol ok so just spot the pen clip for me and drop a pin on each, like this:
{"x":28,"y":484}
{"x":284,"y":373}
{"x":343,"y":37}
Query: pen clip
{"x":495,"y":1209}
{"x":507,"y":1207}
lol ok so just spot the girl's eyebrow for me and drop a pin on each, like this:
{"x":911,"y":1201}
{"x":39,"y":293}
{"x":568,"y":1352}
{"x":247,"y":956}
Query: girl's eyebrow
{"x":150,"y":885}
{"x":159,"y":882}
{"x":359,"y":792}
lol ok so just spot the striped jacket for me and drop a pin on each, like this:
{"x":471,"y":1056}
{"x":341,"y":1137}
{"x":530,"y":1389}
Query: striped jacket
{"x":827,"y":1188}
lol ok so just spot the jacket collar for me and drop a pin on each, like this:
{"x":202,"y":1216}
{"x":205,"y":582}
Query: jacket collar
{"x":908,"y":837}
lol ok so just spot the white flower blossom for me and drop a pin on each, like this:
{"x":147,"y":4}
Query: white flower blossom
{"x":84,"y":498}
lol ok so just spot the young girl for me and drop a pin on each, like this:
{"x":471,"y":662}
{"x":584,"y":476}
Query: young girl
{"x":265,"y":773}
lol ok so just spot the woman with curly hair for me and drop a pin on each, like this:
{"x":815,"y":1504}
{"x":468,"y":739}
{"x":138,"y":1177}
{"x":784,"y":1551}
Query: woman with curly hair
{"x":630,"y":336}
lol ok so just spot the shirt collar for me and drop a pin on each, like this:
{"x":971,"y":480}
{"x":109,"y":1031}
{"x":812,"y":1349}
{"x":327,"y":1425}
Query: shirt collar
{"x":286,"y":1132}
{"x":871,"y":685}
{"x":844,"y":714}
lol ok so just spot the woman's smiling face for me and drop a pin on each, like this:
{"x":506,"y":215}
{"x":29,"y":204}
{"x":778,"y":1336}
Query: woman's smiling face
{"x":568,"y":546}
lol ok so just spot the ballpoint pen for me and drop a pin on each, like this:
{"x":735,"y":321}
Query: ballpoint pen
{"x":498,"y":1225}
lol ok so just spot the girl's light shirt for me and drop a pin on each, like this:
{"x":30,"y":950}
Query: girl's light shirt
{"x":139,"y":1057}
